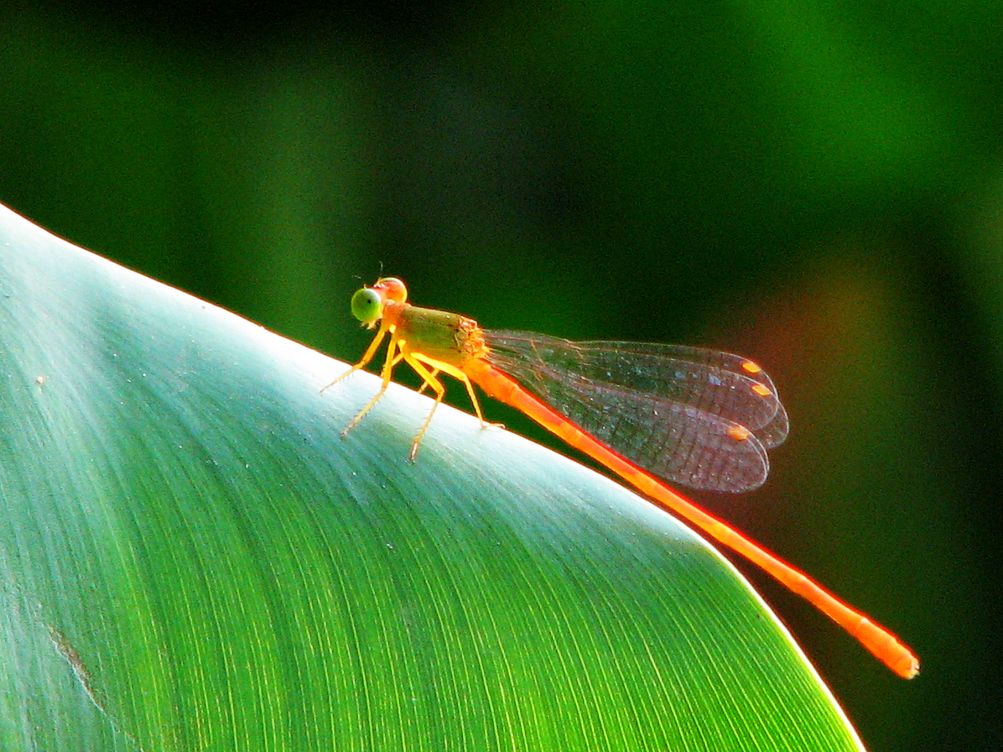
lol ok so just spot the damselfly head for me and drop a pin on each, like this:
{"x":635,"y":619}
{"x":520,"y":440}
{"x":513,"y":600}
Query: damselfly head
{"x":391,"y":289}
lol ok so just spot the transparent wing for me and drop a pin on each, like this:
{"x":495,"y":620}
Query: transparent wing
{"x":696,"y":417}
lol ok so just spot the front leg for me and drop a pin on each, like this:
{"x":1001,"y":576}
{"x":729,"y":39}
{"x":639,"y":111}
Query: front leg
{"x":364,"y":361}
{"x":388,"y":366}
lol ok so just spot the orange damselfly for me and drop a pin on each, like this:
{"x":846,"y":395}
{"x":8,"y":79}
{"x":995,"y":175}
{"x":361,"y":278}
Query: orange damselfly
{"x":647,"y":412}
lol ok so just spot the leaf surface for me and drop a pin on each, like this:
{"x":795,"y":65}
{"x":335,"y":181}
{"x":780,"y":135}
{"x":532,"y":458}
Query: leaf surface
{"x":192,"y":557}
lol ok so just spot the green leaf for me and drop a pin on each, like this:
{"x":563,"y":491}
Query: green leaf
{"x":191,"y":557}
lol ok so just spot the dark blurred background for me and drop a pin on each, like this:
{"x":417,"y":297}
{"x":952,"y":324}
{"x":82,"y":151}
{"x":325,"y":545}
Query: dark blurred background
{"x":817,"y":186}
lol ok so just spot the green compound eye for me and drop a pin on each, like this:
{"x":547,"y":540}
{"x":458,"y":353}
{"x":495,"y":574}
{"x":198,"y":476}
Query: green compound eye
{"x":367,"y":305}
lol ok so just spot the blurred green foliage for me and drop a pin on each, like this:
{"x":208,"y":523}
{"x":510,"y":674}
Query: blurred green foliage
{"x":819,"y":186}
